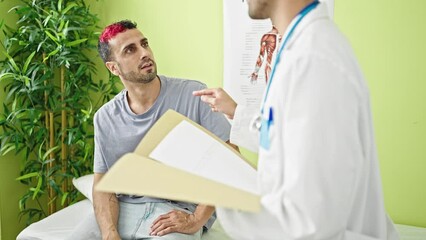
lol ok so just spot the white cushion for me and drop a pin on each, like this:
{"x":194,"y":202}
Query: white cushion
{"x":407,"y":232}
{"x":84,"y":185}
{"x":58,"y":225}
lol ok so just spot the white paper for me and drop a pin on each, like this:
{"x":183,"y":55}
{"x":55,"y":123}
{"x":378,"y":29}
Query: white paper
{"x":190,"y":149}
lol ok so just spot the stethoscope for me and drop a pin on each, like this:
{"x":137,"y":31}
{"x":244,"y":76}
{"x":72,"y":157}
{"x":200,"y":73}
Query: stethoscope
{"x":256,"y":123}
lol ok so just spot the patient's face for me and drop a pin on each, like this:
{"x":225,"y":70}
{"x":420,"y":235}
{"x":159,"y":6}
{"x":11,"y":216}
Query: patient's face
{"x":133,"y":59}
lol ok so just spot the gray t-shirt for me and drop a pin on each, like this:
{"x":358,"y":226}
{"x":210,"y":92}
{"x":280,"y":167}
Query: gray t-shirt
{"x":118,"y":130}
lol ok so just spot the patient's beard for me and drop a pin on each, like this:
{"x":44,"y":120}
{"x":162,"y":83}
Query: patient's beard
{"x":137,"y":77}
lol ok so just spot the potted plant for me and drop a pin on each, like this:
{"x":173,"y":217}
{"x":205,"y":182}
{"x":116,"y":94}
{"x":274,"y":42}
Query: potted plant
{"x":48,"y":77}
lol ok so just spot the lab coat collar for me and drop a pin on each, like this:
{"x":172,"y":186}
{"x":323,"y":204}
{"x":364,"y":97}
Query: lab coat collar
{"x":320,"y":12}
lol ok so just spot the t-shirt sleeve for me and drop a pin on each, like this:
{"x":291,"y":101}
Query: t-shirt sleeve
{"x":99,"y":165}
{"x":215,"y":122}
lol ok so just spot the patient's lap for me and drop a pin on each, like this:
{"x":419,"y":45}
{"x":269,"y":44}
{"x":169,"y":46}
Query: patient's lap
{"x":134,"y":223}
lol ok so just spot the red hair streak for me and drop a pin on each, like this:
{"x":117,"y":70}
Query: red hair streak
{"x":110,"y":32}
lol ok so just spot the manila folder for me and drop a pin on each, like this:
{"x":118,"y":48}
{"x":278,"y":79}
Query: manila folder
{"x":180,"y":160}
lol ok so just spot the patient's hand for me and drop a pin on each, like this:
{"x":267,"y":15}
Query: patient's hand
{"x":175,"y":221}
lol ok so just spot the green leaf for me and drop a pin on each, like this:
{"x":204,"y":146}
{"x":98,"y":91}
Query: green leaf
{"x":49,"y":151}
{"x":70,"y":136}
{"x":46,"y":21}
{"x":5,"y":76}
{"x":60,"y":5}
{"x":76,"y":42}
{"x":61,"y":25}
{"x":40,"y":148}
{"x":47,"y":162}
{"x":69,"y":7}
{"x":55,"y":39}
{"x":40,"y":45}
{"x":12,"y":91}
{"x":11,"y":61}
{"x":66,"y":29}
{"x":64,"y":198}
{"x":7,"y":148}
{"x":28,"y":61}
{"x":14,"y":104}
{"x":14,"y":8}
{"x":22,"y":204}
{"x":51,"y":201}
{"x":86,"y":112}
{"x":37,"y":189}
{"x":51,"y":54}
{"x":26,"y":176}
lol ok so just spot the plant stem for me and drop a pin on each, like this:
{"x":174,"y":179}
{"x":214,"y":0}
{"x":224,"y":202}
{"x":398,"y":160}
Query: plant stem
{"x":64,"y":133}
{"x":52,"y":206}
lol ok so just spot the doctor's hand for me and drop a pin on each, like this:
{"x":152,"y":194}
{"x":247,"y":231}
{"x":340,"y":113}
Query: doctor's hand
{"x":175,"y":221}
{"x":218,"y":100}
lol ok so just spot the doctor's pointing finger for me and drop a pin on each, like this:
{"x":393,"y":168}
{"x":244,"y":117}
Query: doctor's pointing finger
{"x":218,"y":100}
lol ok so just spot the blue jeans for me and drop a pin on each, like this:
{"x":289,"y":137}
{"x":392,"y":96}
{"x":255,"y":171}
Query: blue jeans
{"x":134,"y":223}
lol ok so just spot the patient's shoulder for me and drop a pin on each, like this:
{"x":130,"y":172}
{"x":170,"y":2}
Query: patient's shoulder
{"x":181,"y":84}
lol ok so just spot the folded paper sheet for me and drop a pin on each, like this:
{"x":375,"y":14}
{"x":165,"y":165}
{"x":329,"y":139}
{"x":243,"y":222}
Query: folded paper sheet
{"x":180,"y":160}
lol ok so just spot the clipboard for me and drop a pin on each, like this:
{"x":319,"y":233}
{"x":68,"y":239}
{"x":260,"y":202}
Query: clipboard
{"x":180,"y":160}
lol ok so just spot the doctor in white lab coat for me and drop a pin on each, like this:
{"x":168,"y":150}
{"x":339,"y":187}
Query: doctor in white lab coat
{"x":318,"y":173}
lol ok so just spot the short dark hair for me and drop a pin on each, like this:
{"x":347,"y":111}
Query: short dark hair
{"x":110,"y":32}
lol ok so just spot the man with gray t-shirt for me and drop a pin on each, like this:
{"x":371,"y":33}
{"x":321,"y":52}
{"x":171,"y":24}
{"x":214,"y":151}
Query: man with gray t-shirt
{"x":121,"y":124}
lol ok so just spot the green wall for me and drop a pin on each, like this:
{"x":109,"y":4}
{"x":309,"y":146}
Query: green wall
{"x":10,"y":189}
{"x":388,"y":37}
{"x":185,"y":35}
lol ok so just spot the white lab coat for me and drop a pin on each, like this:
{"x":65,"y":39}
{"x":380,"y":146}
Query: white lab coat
{"x":320,"y":177}
{"x":242,"y":132}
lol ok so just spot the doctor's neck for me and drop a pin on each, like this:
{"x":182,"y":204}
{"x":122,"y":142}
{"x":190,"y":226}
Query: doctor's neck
{"x":285,"y":11}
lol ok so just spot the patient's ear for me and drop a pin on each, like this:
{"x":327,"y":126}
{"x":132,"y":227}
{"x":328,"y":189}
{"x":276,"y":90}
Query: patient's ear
{"x":113,"y":67}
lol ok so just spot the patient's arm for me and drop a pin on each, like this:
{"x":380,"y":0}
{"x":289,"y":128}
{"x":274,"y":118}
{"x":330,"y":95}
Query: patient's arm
{"x":106,"y":210}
